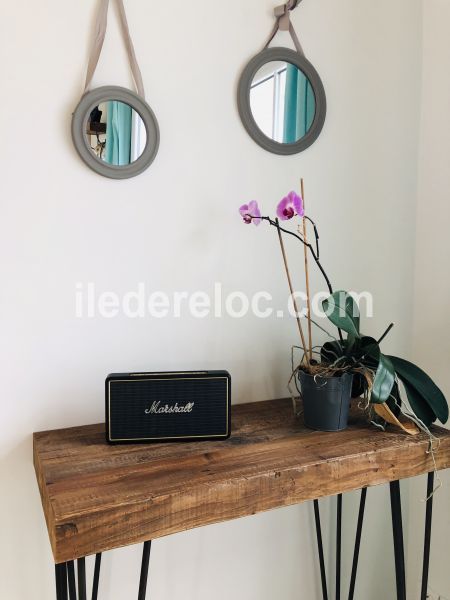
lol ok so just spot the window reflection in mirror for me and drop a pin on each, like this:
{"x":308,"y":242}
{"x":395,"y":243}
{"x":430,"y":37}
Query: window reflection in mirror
{"x":282,"y":102}
{"x":116,"y":133}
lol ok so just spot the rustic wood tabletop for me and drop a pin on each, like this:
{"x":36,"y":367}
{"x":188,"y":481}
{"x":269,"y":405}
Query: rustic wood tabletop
{"x":97,"y":497}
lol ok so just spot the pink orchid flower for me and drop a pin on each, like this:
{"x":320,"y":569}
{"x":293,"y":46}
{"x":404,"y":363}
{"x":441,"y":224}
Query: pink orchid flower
{"x":289,"y":206}
{"x":250,"y":213}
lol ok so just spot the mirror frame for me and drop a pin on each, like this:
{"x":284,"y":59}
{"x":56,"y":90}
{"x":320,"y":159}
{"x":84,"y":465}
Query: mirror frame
{"x":79,"y":121}
{"x":290,"y":56}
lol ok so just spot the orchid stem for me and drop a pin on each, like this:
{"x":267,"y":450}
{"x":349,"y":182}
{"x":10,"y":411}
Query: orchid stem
{"x":308,"y":245}
{"x":311,"y":249}
{"x":294,"y":301}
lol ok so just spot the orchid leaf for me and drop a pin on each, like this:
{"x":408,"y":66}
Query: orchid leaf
{"x":351,"y":344}
{"x":367,"y":355}
{"x":369,"y":350}
{"x":394,"y":400}
{"x":331,"y":351}
{"x":384,"y":380}
{"x":413,"y":377}
{"x":419,"y":406}
{"x":343,"y":312}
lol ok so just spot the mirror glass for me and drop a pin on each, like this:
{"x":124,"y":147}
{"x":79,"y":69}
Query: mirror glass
{"x":282,"y":102}
{"x":116,"y":133}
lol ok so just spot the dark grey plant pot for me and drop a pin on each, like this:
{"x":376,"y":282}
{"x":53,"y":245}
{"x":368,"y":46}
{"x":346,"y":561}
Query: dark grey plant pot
{"x":326,"y":401}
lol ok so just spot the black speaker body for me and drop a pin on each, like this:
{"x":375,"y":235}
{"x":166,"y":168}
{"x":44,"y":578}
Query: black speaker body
{"x":167,"y":407}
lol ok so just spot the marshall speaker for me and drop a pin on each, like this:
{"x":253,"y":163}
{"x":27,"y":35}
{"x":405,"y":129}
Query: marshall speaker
{"x":168,"y":407}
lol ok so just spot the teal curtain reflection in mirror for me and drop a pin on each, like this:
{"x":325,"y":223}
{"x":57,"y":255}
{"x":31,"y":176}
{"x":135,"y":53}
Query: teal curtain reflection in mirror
{"x":282,"y":102}
{"x":116,"y":133}
{"x":118,"y":127}
{"x":299,"y":105}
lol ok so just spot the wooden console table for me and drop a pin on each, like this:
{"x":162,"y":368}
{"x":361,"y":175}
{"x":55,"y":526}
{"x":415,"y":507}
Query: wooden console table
{"x":98,"y":497}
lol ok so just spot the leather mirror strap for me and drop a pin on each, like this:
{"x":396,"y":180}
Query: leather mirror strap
{"x":283,"y":23}
{"x":99,"y":38}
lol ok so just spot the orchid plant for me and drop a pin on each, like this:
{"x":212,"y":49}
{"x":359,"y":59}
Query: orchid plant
{"x":377,"y":377}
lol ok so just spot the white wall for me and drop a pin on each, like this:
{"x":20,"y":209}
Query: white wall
{"x":432,"y":283}
{"x":176,"y":227}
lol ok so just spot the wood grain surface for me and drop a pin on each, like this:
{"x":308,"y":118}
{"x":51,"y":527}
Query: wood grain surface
{"x":98,"y":497}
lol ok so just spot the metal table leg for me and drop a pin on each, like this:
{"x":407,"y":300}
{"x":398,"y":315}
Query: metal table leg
{"x":71,"y":580}
{"x":397,"y":531}
{"x":427,"y":542}
{"x":81,"y":572}
{"x":61,"y":581}
{"x":362,"y":505}
{"x":98,"y":561}
{"x":338,"y":546}
{"x":323,"y":576}
{"x":144,"y":570}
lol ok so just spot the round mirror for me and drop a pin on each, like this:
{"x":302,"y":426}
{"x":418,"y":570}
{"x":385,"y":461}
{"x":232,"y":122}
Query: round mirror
{"x":282,"y":101}
{"x":115,"y":132}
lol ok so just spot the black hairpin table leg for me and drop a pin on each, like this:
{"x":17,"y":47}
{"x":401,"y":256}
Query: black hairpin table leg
{"x":66,"y":586}
{"x":61,"y":581}
{"x":98,"y":561}
{"x":71,"y":580}
{"x":320,"y":550}
{"x":338,"y":545}
{"x":427,"y":542}
{"x":362,"y":505}
{"x":397,"y":531}
{"x":144,"y":571}
{"x":81,"y":571}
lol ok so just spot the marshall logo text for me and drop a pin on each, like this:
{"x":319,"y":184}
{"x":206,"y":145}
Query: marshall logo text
{"x":157,"y":409}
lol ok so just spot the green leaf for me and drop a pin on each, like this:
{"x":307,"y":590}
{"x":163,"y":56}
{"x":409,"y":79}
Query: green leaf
{"x":331,"y":351}
{"x":343,"y":312}
{"x":384,"y":380}
{"x":419,"y":406}
{"x":369,"y":351}
{"x":413,"y":377}
{"x":351,"y":345}
{"x":394,"y":400}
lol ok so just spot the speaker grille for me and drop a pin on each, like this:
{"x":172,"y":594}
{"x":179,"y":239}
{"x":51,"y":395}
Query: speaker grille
{"x":167,"y":408}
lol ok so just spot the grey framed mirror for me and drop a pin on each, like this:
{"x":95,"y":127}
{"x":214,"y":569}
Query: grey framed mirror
{"x":115,"y":132}
{"x":281,"y":101}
